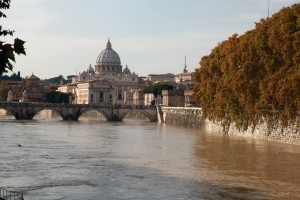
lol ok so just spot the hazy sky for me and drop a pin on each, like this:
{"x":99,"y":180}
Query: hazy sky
{"x":150,"y":36}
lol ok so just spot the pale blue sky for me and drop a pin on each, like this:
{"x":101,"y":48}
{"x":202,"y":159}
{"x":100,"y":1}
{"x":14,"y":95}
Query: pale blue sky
{"x":150,"y":36}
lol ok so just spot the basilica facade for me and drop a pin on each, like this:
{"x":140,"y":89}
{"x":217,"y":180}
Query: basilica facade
{"x":108,"y":82}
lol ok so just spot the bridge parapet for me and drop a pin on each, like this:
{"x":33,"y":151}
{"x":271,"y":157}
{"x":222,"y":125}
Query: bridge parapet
{"x":10,"y":195}
{"x":27,"y":110}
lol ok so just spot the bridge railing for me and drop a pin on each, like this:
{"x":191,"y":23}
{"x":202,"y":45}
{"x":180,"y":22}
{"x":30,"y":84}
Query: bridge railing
{"x":3,"y":104}
{"x":10,"y":195}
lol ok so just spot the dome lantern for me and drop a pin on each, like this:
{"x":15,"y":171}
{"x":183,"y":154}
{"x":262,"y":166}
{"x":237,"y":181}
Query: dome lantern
{"x":108,"y":45}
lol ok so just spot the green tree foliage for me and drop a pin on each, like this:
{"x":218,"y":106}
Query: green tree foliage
{"x":56,"y":80}
{"x":157,"y":88}
{"x":57,"y":97}
{"x":70,"y":77}
{"x":7,"y":51}
{"x":14,"y":76}
{"x":255,"y":76}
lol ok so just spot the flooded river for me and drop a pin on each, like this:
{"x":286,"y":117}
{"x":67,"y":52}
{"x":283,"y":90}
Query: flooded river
{"x":50,"y":159}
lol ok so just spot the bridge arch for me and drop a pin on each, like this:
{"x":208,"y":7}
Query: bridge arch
{"x":40,"y":109}
{"x":139,"y":111}
{"x":5,"y":112}
{"x":14,"y":110}
{"x":93,"y":109}
{"x":3,"y":108}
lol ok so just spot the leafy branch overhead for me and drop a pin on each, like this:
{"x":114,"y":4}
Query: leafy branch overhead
{"x":7,"y":50}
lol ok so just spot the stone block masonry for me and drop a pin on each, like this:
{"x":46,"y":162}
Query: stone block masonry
{"x":192,"y":118}
{"x":182,"y":116}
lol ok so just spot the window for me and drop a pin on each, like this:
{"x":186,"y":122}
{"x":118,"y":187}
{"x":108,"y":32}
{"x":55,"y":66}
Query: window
{"x":120,"y":96}
{"x":92,"y":96}
{"x":101,"y":95}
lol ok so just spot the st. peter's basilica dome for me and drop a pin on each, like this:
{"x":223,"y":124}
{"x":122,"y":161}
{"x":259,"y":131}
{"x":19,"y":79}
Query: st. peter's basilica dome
{"x":108,"y":61}
{"x":108,"y":56}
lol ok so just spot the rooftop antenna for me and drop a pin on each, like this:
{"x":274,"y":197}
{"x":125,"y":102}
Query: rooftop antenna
{"x":185,"y":70}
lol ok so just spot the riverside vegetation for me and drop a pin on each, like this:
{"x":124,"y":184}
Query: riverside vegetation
{"x":254,"y":77}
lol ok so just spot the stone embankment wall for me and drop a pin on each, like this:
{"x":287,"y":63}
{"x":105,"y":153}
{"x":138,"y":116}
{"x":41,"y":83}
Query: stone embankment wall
{"x":181,"y":116}
{"x":192,"y":117}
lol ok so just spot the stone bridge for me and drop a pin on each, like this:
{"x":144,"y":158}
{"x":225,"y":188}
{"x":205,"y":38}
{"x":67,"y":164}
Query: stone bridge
{"x":26,"y":111}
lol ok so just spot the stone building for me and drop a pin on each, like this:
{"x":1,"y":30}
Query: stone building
{"x":34,"y":88}
{"x":96,"y":91}
{"x":108,"y":82}
{"x":12,"y":87}
{"x":155,"y":78}
{"x":134,"y":97}
{"x":182,"y":95}
{"x":128,"y":98}
{"x":185,"y":77}
{"x":69,"y":88}
{"x":173,"y":98}
{"x":148,"y":99}
{"x":189,"y":100}
{"x":138,"y":97}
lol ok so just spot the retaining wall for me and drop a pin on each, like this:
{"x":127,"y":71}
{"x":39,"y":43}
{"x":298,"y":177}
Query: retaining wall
{"x":192,"y":117}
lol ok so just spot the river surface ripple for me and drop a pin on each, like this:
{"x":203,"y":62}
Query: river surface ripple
{"x":50,"y":159}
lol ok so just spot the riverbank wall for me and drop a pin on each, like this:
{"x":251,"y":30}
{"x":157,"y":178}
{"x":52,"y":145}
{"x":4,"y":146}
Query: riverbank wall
{"x":192,"y":118}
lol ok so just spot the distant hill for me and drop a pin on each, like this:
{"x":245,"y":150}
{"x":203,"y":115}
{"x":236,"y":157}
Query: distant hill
{"x":56,"y":80}
{"x":256,"y":75}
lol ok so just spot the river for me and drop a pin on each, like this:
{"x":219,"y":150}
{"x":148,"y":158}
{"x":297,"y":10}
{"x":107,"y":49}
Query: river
{"x":51,"y":159}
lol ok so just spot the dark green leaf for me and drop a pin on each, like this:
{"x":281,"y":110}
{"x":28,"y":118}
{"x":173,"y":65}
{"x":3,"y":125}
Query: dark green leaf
{"x":19,"y":46}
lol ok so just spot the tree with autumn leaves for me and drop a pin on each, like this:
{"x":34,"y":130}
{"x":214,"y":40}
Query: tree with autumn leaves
{"x":7,"y":50}
{"x":256,"y":76}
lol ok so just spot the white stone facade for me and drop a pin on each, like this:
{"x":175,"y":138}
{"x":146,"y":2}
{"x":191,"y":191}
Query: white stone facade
{"x":148,"y":99}
{"x":107,"y":83}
